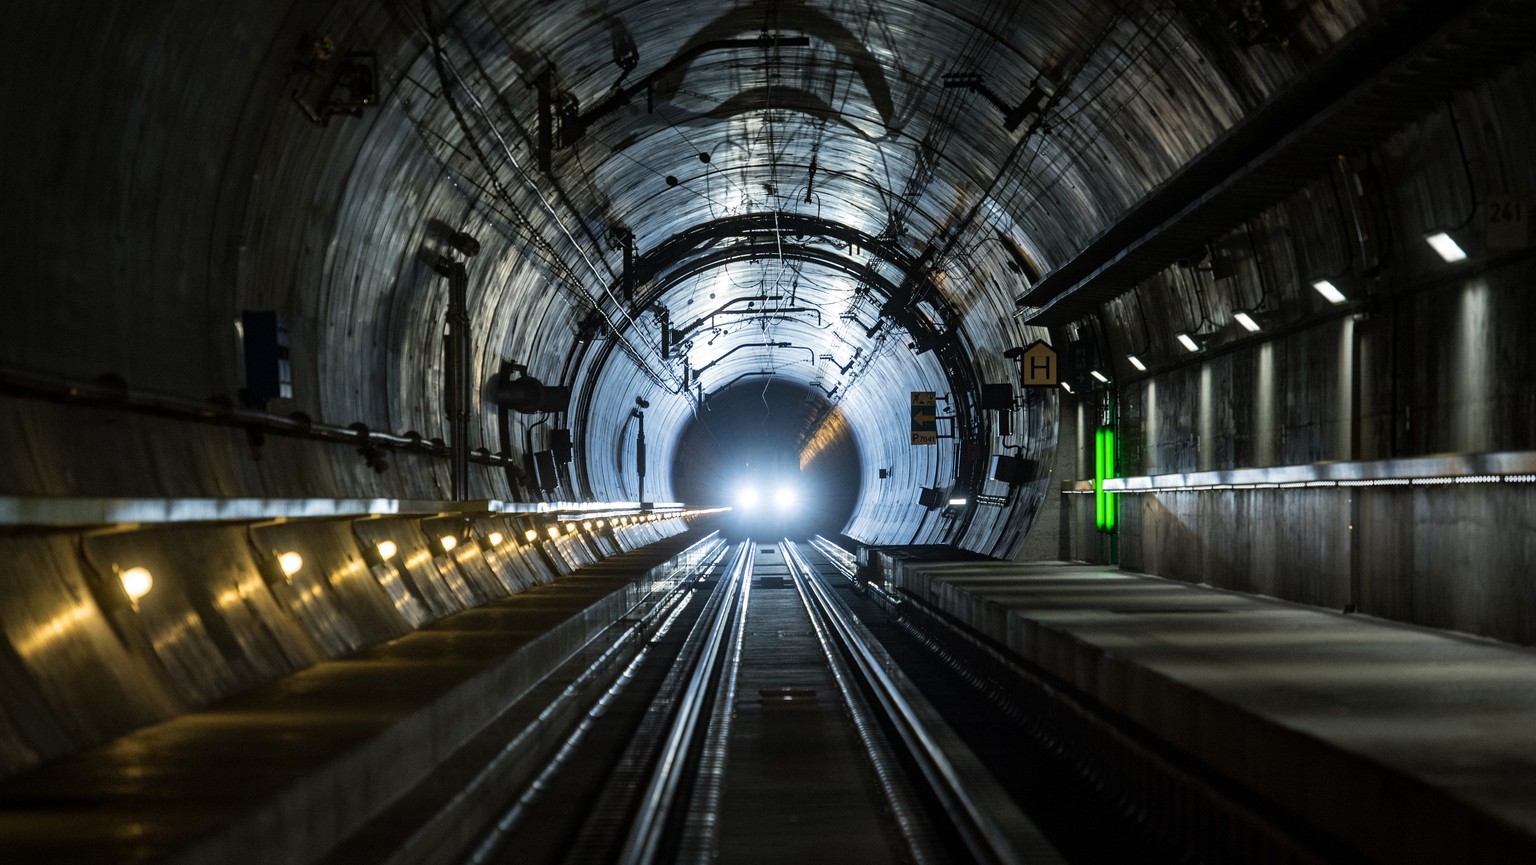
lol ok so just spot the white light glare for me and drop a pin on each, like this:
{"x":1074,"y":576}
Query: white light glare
{"x":784,"y":497}
{"x":1136,"y":362}
{"x":1247,"y":322}
{"x":957,"y":503}
{"x":1066,"y":387}
{"x":136,"y":583}
{"x":1189,"y":342}
{"x":1447,"y":247}
{"x":1329,"y":290}
{"x":387,"y":549}
{"x":448,"y":542}
{"x":1098,"y":375}
{"x":747,"y":498}
{"x":291,"y":563}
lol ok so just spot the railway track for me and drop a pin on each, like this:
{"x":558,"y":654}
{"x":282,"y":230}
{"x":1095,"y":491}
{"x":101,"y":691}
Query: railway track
{"x":739,"y":714}
{"x":761,"y":724}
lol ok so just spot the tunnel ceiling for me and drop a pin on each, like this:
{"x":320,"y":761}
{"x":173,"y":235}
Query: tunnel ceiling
{"x":973,"y":145}
{"x":669,"y":199}
{"x":846,"y":196}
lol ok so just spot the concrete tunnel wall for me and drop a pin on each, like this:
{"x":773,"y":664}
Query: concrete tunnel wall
{"x":1435,"y":361}
{"x":176,"y":184}
{"x":80,"y":665}
{"x":170,"y":182}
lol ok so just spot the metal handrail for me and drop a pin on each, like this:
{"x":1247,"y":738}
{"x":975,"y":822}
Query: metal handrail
{"x":1501,"y":466}
{"x":65,"y":512}
{"x":112,"y":392}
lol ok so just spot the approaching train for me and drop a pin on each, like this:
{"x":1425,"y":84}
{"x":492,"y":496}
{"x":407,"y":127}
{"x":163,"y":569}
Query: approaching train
{"x":769,"y":493}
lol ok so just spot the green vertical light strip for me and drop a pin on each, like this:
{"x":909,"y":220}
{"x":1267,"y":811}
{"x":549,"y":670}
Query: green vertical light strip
{"x":1111,"y":500}
{"x":1106,"y":505}
{"x":1098,"y":479}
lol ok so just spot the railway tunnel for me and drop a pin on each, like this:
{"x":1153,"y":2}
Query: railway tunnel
{"x":1147,"y":383}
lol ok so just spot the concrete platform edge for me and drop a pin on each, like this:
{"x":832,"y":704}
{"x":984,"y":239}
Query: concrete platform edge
{"x":311,"y":816}
{"x":1388,"y":815}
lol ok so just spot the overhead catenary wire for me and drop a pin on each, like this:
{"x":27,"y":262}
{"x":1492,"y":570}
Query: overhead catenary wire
{"x":446,"y":69}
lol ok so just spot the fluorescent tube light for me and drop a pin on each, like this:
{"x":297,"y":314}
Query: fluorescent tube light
{"x":1447,"y":247}
{"x":1329,"y":290}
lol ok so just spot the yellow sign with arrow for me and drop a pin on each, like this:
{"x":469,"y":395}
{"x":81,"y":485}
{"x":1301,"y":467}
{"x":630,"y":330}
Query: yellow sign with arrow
{"x":925,"y":418}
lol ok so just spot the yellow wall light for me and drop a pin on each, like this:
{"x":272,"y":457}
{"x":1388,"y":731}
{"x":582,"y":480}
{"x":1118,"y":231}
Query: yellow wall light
{"x":291,"y":563}
{"x":136,"y":582}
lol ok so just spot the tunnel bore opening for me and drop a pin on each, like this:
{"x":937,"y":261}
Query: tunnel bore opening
{"x":779,"y":453}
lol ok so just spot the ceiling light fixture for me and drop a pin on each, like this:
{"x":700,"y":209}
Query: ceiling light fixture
{"x":1447,"y":247}
{"x":1246,"y":321}
{"x":1136,"y":362}
{"x":1330,"y":291}
{"x":1189,"y":342}
{"x":1098,"y":375}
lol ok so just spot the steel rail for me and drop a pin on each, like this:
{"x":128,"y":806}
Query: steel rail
{"x":444,"y":817}
{"x":839,"y":559}
{"x":700,"y":831}
{"x":658,"y":802}
{"x":666,"y":610}
{"x":983,"y":839}
{"x":888,"y":774}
